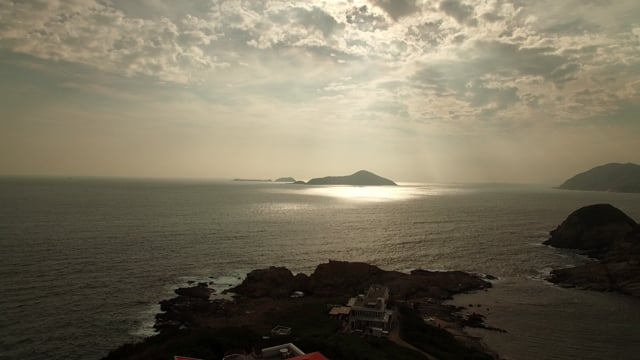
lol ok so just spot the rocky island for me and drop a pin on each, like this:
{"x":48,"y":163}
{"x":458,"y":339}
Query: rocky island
{"x":608,"y":235}
{"x":287,"y":179}
{"x":359,"y":178}
{"x":195,"y":324}
{"x":610,"y":177}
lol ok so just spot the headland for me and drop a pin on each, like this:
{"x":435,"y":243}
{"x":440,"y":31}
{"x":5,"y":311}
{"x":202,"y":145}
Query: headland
{"x":197,"y":324}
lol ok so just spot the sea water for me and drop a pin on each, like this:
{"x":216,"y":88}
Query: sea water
{"x":84,"y":262}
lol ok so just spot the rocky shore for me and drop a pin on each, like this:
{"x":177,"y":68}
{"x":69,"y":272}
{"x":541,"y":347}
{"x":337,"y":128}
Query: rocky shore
{"x":264,"y":299}
{"x":611,"y":238}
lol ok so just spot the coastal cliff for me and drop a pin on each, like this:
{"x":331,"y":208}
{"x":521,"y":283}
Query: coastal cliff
{"x":607,"y":234}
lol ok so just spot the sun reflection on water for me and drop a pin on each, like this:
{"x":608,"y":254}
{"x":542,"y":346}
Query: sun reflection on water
{"x":371,"y":193}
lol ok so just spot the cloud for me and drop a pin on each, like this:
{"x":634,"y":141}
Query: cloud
{"x":457,"y":10}
{"x":365,"y":20}
{"x":103,"y":37}
{"x":398,"y":8}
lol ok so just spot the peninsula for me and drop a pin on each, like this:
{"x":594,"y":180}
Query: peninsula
{"x":610,"y":177}
{"x":608,"y":235}
{"x":314,"y":311}
{"x":359,"y":178}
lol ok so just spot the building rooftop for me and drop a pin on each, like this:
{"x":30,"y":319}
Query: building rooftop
{"x":313,"y":356}
{"x":376,"y":298}
{"x":284,"y":351}
{"x":340,"y":310}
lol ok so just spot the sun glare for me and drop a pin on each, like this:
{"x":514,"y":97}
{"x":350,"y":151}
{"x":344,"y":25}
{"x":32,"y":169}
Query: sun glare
{"x":369,"y":193}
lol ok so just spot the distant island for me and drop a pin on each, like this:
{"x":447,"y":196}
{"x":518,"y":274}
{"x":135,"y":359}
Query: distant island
{"x":287,"y":179}
{"x":610,"y":177}
{"x":255,"y":180}
{"x":360,"y":178}
{"x":607,"y":234}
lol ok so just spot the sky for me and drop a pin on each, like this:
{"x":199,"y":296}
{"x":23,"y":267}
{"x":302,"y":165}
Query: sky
{"x":508,"y":91}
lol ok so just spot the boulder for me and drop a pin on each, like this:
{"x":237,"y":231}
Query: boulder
{"x":276,"y":282}
{"x":200,"y":292}
{"x":608,"y":234}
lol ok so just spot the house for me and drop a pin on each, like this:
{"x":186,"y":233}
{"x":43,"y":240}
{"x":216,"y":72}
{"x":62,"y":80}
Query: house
{"x":369,"y":312}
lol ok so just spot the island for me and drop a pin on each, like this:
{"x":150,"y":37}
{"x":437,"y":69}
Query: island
{"x":252,"y":180}
{"x":610,"y":177}
{"x":611,"y":239}
{"x":287,"y":179}
{"x":359,"y":178}
{"x":329,"y":311}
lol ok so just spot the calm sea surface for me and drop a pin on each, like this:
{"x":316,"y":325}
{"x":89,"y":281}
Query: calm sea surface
{"x":84,"y":262}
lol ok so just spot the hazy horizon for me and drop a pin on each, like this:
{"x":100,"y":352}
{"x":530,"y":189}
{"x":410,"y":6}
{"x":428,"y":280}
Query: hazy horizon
{"x":491,"y":91}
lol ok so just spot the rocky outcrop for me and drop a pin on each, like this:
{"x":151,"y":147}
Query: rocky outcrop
{"x":201,"y":291}
{"x":594,"y":229}
{"x":276,"y":282}
{"x":189,"y":320}
{"x":341,"y":278}
{"x":608,"y":234}
{"x":609,"y":177}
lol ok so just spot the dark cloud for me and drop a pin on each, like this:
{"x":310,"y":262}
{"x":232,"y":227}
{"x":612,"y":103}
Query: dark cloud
{"x":462,"y":82}
{"x":316,"y":18}
{"x":571,"y":27}
{"x":507,"y":59}
{"x":427,"y":32}
{"x":160,"y":8}
{"x":398,"y":8}
{"x":491,"y":17}
{"x":470,"y":80}
{"x":457,"y":10}
{"x":365,"y":20}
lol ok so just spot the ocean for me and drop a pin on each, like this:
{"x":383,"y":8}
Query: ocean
{"x":84,"y":262}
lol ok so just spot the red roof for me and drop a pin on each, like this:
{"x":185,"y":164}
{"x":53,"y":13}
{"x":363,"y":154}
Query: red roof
{"x":313,"y":356}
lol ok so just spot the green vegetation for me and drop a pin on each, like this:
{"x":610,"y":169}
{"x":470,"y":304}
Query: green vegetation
{"x":201,"y":343}
{"x":313,"y":330}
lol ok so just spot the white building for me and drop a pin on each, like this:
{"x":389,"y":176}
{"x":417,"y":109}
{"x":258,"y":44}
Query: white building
{"x":369,"y":312}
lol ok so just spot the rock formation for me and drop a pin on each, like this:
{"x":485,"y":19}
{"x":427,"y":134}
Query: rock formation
{"x":594,"y":229}
{"x":606,"y":233}
{"x":340,"y":278}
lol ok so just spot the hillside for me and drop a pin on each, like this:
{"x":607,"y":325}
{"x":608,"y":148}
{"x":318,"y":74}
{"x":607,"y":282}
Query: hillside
{"x":610,"y":177}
